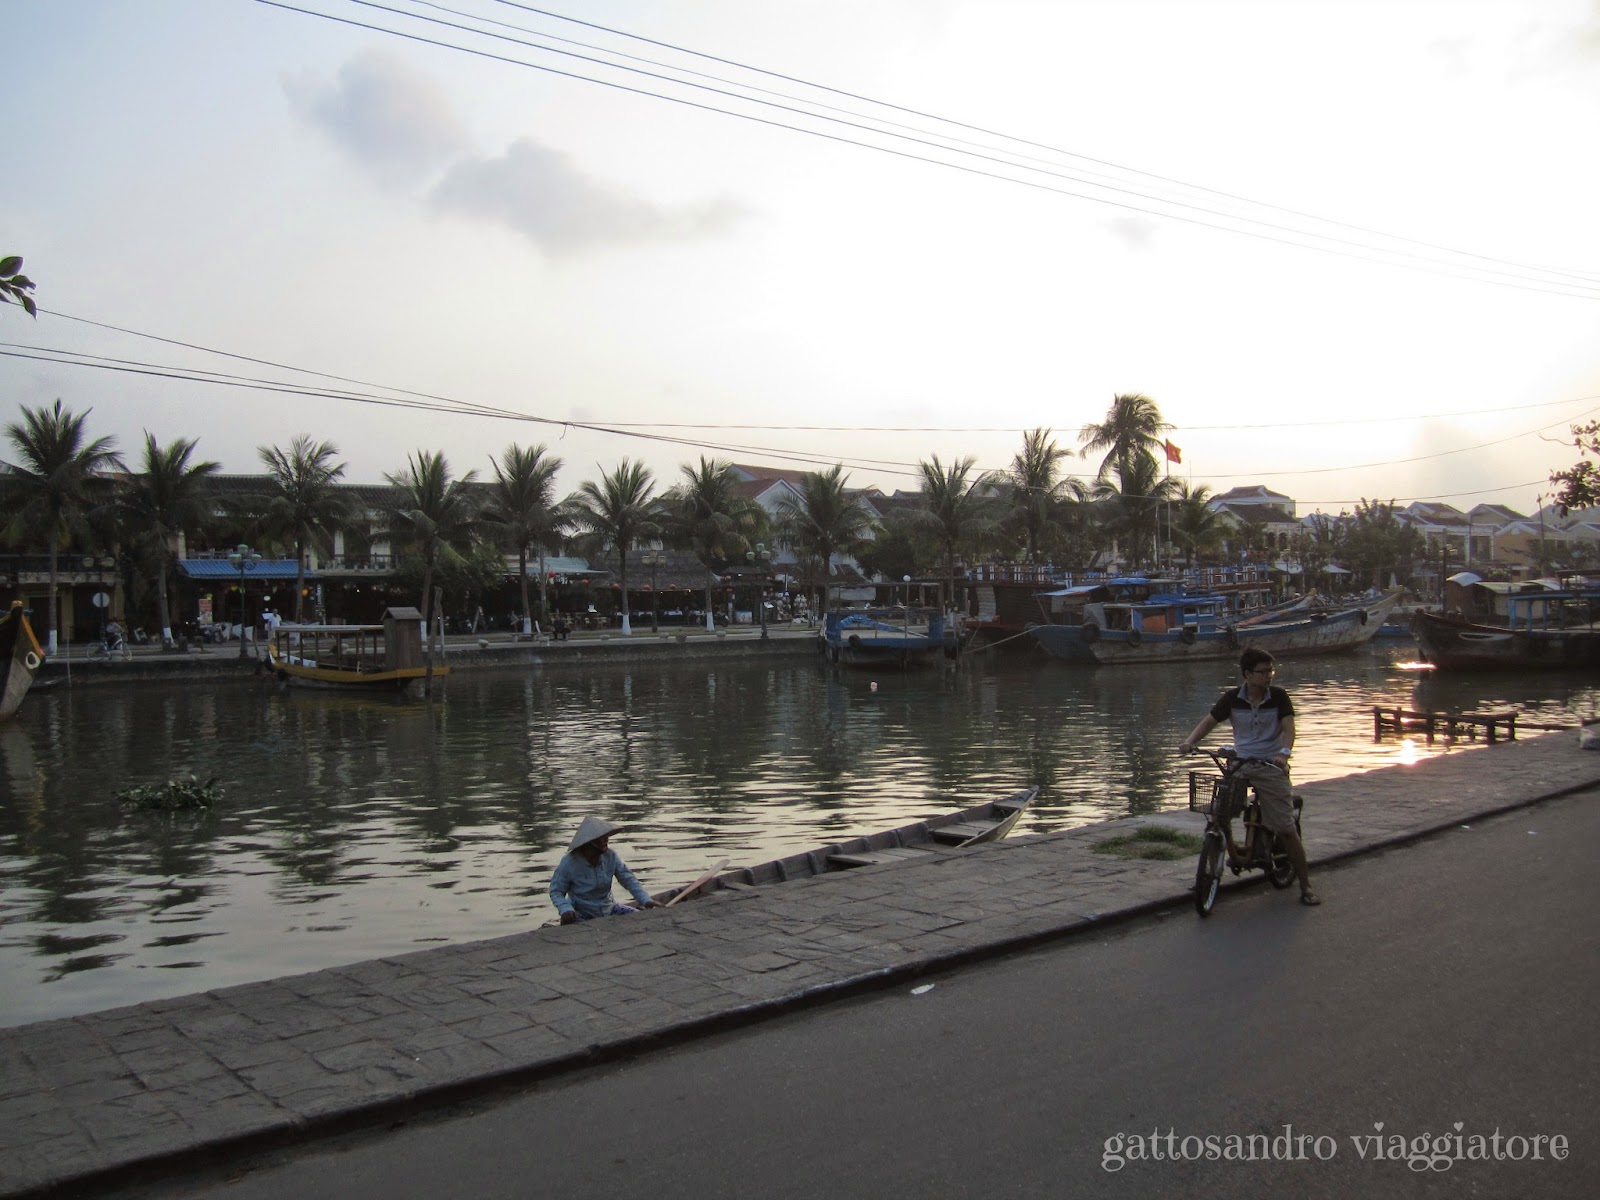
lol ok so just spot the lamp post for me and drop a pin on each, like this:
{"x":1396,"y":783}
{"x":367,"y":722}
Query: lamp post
{"x":654,"y":558}
{"x":760,"y":558}
{"x":244,"y":558}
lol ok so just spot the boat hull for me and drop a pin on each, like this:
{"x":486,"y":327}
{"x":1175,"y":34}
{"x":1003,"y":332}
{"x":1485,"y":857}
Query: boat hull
{"x":974,"y":826}
{"x":869,"y":639}
{"x":1455,"y":645}
{"x":20,"y":656}
{"x":1302,"y":635}
{"x":300,"y":675}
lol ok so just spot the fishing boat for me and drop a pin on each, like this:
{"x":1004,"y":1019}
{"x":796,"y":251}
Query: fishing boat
{"x":920,"y":840}
{"x":20,"y":656}
{"x":1004,"y":599}
{"x":1456,"y":644}
{"x":1193,"y":629}
{"x":886,"y":637}
{"x":353,"y":656}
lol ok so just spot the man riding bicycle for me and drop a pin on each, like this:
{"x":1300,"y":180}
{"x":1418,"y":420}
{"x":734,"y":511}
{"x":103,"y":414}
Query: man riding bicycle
{"x":1263,"y":737}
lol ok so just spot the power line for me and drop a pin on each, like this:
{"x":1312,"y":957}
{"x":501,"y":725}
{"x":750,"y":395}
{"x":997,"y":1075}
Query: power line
{"x":1397,"y":259}
{"x":1013,"y":138}
{"x":407,"y":399}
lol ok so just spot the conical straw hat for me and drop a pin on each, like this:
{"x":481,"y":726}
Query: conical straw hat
{"x":592,"y":827}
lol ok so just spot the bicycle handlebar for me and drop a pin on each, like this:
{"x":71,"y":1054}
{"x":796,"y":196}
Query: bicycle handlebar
{"x":1227,"y":759}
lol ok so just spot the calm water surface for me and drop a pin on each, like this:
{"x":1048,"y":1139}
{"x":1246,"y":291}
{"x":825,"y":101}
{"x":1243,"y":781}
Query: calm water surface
{"x":353,"y":828}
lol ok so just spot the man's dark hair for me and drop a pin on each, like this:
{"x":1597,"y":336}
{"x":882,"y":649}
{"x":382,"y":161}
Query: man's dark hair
{"x":1253,"y":658}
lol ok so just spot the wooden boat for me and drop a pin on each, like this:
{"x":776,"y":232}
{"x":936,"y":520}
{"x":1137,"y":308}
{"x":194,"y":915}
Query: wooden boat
{"x":919,"y":840}
{"x":1456,"y":644}
{"x":1178,"y":631}
{"x":1006,"y":598}
{"x":20,"y":656}
{"x":886,"y":637}
{"x":353,"y":656}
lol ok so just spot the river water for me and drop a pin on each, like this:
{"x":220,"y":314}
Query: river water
{"x":352,"y":828}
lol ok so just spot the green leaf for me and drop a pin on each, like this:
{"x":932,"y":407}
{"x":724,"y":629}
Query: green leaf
{"x":11,"y":265}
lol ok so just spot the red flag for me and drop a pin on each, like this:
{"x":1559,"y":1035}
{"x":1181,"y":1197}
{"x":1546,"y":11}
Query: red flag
{"x":1174,"y":454}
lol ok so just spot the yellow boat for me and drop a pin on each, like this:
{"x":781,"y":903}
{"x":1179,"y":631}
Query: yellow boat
{"x":353,"y":656}
{"x":20,"y":656}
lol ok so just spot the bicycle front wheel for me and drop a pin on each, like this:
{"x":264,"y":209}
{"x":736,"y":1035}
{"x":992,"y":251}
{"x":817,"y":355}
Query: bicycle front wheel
{"x":1208,"y":873}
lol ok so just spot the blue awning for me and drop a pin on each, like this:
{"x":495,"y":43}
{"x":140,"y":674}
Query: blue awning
{"x":222,"y":570}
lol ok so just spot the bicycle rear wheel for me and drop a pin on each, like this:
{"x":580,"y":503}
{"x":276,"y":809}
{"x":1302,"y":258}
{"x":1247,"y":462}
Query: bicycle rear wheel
{"x":1208,"y":873}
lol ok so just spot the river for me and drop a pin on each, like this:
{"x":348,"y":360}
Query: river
{"x":351,"y":828}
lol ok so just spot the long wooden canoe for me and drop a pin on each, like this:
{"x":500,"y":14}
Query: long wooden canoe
{"x":969,"y":827}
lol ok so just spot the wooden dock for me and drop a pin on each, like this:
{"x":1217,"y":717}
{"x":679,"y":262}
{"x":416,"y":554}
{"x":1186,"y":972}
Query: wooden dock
{"x":1452,"y":725}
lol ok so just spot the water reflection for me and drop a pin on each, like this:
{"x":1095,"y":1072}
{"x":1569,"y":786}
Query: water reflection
{"x":356,"y":827}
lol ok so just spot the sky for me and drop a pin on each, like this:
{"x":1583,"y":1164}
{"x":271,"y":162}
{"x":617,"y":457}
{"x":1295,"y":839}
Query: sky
{"x":1348,"y":247}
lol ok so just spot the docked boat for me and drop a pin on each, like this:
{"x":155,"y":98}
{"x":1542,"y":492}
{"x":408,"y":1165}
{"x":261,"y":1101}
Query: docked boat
{"x":1455,"y":644}
{"x":20,"y":656}
{"x":1192,"y":629}
{"x":353,"y":656}
{"x":919,"y":840}
{"x":886,"y":637}
{"x":1008,"y":599}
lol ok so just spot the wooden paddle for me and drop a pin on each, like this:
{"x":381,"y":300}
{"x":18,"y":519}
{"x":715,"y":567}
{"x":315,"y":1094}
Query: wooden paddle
{"x":698,"y":883}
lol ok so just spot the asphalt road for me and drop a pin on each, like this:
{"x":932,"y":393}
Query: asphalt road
{"x":1446,"y":986}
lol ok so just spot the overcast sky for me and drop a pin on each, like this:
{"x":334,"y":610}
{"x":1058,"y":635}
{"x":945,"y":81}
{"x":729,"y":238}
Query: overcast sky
{"x":1349,"y":247}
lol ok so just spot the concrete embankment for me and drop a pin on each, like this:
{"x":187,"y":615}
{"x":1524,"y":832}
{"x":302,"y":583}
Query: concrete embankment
{"x":97,"y":1099}
{"x":462,"y":653}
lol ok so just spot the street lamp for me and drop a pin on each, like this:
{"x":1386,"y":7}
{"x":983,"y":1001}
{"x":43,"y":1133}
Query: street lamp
{"x":244,"y":558}
{"x":761,"y":558}
{"x":654,"y":558}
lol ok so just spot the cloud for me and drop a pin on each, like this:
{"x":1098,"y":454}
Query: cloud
{"x":1135,"y":232}
{"x":540,"y":193}
{"x":392,"y":119}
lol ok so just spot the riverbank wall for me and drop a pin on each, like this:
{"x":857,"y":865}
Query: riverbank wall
{"x":462,"y":653}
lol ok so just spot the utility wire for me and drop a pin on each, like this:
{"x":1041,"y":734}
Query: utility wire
{"x":424,"y":402}
{"x":1422,"y":262}
{"x":1398,"y":258}
{"x":1588,"y":278}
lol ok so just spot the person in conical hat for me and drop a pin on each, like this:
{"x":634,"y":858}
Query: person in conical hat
{"x":581,"y":887}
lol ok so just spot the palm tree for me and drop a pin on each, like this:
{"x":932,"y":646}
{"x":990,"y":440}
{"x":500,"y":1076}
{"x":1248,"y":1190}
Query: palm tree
{"x":169,"y":495}
{"x":55,"y":481}
{"x":955,"y":509}
{"x":616,"y":512}
{"x":434,"y":515}
{"x":1038,"y":489}
{"x":522,"y":504}
{"x":707,"y":516}
{"x":15,"y":286}
{"x":1133,"y":430}
{"x":304,"y":501}
{"x":826,"y":520}
{"x":1135,"y":501}
{"x":1195,"y":526}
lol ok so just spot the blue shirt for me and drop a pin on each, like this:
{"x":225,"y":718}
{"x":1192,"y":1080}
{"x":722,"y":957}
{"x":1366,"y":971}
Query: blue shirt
{"x":577,"y":886}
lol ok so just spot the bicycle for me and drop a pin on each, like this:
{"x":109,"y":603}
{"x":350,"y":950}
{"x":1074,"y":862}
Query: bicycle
{"x":1222,"y":797}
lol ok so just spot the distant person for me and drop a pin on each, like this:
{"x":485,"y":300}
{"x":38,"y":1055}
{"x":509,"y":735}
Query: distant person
{"x":1262,"y":716}
{"x":581,"y":887}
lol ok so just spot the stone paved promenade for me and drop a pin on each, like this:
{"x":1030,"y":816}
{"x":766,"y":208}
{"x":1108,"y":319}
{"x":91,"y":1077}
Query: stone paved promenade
{"x":92,"y":1100}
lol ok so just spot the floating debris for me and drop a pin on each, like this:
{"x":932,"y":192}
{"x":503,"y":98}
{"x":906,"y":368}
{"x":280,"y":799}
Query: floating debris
{"x":172,"y":796}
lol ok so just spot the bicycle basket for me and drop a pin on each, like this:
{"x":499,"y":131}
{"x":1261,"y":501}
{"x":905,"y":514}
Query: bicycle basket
{"x":1219,"y":795}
